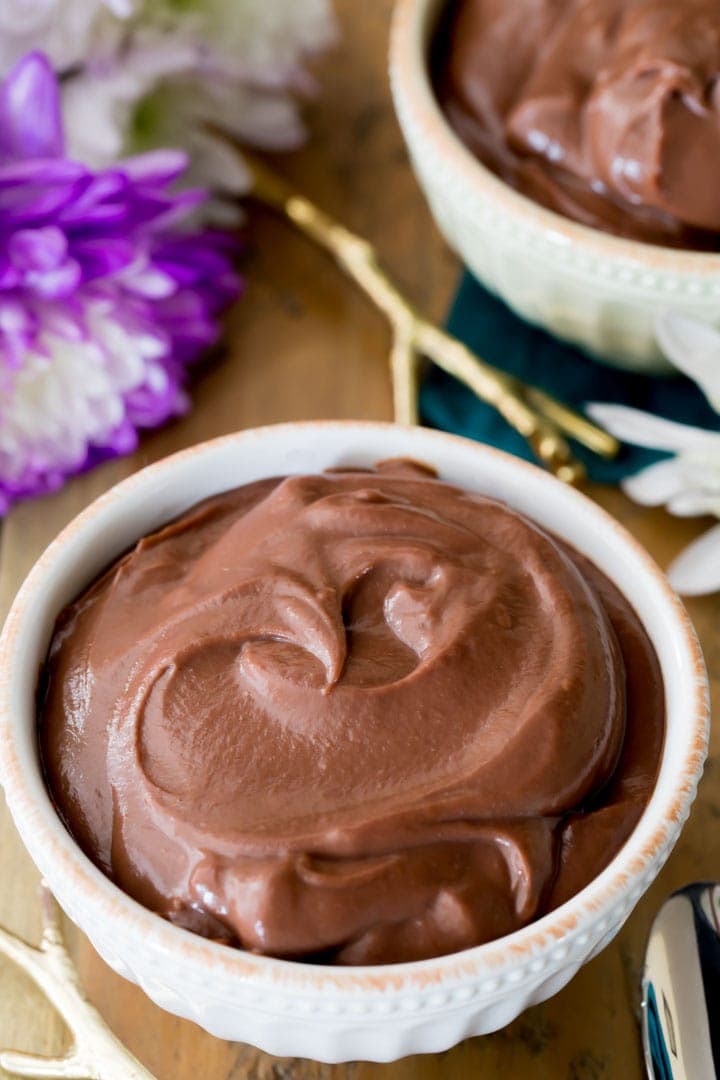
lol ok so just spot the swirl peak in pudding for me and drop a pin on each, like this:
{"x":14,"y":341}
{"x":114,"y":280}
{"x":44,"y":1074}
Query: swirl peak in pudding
{"x":361,"y":716}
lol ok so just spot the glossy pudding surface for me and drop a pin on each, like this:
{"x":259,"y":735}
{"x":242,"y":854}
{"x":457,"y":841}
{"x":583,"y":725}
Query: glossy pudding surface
{"x":357,"y":717}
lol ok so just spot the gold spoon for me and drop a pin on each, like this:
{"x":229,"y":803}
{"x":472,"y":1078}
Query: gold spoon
{"x":541,"y":419}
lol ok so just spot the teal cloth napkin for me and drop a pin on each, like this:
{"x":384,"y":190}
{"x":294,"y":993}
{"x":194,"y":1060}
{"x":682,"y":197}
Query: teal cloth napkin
{"x":491,"y":330}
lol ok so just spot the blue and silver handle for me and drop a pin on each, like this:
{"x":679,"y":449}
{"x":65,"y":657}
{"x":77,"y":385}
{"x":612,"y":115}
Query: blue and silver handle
{"x":681,"y":987}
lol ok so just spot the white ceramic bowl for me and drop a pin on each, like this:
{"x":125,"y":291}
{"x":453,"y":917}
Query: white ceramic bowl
{"x":335,"y":1014}
{"x":593,"y":289}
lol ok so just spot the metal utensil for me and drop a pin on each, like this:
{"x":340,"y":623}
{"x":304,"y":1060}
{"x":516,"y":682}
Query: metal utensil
{"x":681,"y":987}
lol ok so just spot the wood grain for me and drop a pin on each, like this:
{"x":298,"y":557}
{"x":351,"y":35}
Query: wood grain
{"x":303,"y":344}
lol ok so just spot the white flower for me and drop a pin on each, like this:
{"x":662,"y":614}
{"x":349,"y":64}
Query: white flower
{"x":100,"y":101}
{"x":688,"y":483}
{"x":693,"y":348}
{"x":242,"y":66}
{"x":64,"y":29}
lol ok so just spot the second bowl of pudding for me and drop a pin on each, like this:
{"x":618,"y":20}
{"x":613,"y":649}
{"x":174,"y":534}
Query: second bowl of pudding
{"x":565,"y":139}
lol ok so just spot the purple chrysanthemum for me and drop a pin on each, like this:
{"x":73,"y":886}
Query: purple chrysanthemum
{"x":105,"y":295}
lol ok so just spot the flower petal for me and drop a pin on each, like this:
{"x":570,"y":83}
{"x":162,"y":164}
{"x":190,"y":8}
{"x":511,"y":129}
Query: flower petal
{"x":656,"y":484}
{"x":150,"y":282}
{"x":18,"y":328}
{"x":123,"y":9}
{"x":103,"y":257}
{"x":653,"y":432}
{"x":101,"y":201}
{"x":30,"y":203}
{"x":30,"y":121}
{"x":55,"y":284}
{"x":37,"y":249}
{"x":156,"y":168}
{"x":694,"y":348}
{"x":45,"y":171}
{"x":696,"y":571}
{"x":694,"y":502}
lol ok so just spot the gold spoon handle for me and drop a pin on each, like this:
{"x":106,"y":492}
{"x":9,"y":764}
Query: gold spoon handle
{"x":536,"y":415}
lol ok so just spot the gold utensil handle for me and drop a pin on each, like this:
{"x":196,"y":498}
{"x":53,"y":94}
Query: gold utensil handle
{"x":541,"y":419}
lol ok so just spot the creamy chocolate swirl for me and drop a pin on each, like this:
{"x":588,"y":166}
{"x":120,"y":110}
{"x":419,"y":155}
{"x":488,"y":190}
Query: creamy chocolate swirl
{"x":607,"y":111}
{"x":363,"y":716}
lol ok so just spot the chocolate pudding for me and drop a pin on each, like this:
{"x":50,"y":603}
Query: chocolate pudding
{"x":356,"y":718}
{"x":607,"y":111}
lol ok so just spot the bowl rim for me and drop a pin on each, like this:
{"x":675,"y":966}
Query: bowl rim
{"x":53,"y":846}
{"x":415,"y":98}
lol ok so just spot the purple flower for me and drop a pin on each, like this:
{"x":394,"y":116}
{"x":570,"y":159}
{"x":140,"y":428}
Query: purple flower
{"x":106,"y":294}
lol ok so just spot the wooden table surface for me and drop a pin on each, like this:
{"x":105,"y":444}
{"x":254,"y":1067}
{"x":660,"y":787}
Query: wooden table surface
{"x":303,"y":343}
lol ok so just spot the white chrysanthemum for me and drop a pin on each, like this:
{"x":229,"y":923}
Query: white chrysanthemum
{"x":65,"y":29}
{"x":149,"y":73}
{"x":260,"y":41}
{"x":688,"y":482}
{"x":72,"y":395}
{"x":100,"y":103}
